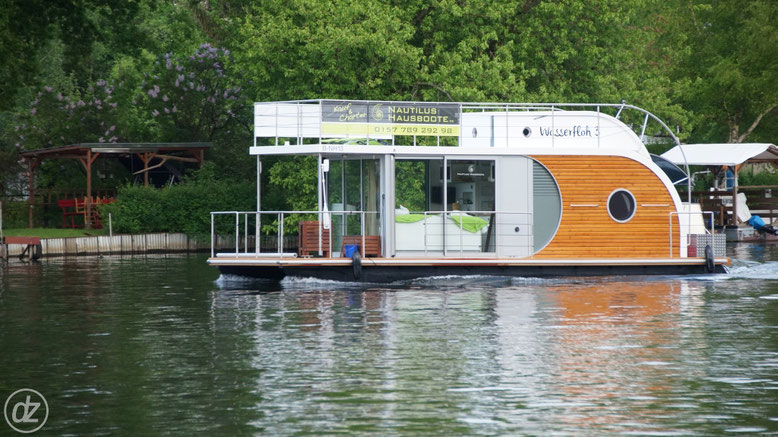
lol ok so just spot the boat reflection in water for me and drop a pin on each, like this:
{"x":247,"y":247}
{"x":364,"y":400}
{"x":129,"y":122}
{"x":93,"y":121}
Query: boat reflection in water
{"x":613,"y":353}
{"x":485,"y":355}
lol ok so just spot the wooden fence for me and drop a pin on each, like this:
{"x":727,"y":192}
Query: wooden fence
{"x":759,"y":199}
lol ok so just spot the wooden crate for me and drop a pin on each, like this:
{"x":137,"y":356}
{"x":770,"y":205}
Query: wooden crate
{"x":372,"y":244}
{"x":309,"y":239}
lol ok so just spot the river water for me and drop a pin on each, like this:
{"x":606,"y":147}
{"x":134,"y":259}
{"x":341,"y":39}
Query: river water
{"x":162,"y":345}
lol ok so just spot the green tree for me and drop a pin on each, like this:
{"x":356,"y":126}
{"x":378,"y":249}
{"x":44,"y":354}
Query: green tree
{"x":300,"y":49}
{"x":731,"y":63}
{"x":467,"y":50}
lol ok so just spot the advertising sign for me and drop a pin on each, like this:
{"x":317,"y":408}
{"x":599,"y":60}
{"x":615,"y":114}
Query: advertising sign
{"x":382,"y":119}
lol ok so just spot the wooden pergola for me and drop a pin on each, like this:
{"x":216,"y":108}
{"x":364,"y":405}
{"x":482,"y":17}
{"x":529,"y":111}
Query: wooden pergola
{"x":87,"y":153}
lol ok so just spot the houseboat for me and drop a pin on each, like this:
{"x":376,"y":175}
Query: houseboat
{"x":420,"y":189}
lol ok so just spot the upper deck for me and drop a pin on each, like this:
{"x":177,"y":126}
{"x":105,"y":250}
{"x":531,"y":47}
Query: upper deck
{"x":381,"y":127}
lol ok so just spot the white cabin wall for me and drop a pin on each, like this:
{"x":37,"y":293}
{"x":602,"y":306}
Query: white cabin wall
{"x":513,"y":201}
{"x":572,"y":130}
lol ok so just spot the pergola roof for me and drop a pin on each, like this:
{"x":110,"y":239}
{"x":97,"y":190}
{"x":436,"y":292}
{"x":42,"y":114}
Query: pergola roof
{"x":728,"y":154}
{"x":87,"y":153}
{"x":78,"y":150}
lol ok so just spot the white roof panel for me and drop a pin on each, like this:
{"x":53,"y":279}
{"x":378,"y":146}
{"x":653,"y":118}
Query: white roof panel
{"x":730,"y":154}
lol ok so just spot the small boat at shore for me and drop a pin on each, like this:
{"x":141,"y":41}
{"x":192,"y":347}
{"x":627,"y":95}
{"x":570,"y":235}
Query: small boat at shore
{"x":418,"y":189}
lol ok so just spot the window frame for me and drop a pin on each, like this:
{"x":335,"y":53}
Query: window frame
{"x":634,"y":205}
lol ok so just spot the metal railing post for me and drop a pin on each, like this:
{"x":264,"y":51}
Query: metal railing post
{"x":425,"y":233}
{"x":280,"y":242}
{"x":362,"y":231}
{"x":461,"y":236}
{"x":599,"y":130}
{"x":643,"y":130}
{"x":507,"y":122}
{"x":329,"y":237}
{"x":212,"y":250}
{"x":553,"y":136}
{"x":237,"y":227}
{"x":257,"y":225}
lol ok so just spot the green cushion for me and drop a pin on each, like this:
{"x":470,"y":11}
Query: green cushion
{"x":409,"y":218}
{"x":469,"y":222}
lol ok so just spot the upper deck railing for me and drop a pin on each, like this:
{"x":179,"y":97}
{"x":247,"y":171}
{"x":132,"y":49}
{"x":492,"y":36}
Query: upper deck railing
{"x":443,"y":123}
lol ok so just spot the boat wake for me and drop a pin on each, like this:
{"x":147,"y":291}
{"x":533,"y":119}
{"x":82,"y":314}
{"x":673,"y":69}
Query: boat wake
{"x":753,"y":270}
{"x":237,"y":282}
{"x":298,"y":282}
{"x":454,"y":280}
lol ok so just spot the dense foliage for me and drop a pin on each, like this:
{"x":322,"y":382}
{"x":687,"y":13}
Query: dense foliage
{"x":182,"y":207}
{"x":154,"y":70}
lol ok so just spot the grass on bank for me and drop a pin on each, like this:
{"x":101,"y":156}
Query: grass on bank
{"x":53,"y":232}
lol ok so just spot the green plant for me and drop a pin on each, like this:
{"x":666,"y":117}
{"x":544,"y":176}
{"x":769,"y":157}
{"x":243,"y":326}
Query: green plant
{"x":184,"y":207}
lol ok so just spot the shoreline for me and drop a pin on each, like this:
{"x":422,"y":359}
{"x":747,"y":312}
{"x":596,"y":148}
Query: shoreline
{"x":158,"y":242}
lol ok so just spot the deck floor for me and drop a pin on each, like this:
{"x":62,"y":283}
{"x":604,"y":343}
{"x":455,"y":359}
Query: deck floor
{"x":248,"y":259}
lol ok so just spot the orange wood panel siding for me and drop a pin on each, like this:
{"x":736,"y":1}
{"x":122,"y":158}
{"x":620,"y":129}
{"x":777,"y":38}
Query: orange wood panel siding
{"x":590,"y":232}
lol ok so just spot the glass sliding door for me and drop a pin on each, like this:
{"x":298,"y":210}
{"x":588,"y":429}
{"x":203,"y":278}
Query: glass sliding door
{"x":470,"y":206}
{"x":443,"y":207}
{"x":354,"y":200}
{"x":419,"y":201}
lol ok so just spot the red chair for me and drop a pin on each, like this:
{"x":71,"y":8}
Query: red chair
{"x":69,"y":211}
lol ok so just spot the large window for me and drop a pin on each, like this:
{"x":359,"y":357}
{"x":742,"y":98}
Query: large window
{"x":473,"y":183}
{"x":444,"y":206}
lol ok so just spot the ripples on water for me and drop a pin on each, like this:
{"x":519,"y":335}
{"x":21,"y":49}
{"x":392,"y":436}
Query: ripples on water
{"x":151,"y":345}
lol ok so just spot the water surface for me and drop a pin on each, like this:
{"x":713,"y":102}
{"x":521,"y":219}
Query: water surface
{"x":161,"y":345}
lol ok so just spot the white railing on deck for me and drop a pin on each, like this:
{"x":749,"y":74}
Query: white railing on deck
{"x":305,"y":120}
{"x":688,"y":226}
{"x":508,"y":233}
{"x":243,"y":216}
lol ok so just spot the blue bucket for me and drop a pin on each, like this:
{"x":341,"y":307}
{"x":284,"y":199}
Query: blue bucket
{"x":349,"y":250}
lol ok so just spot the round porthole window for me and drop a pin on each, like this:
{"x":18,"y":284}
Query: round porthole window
{"x":621,"y":205}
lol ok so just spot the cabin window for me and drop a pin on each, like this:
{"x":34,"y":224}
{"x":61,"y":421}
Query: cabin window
{"x":621,"y":205}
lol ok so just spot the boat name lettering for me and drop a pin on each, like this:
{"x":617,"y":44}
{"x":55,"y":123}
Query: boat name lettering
{"x":572,"y":131}
{"x":338,"y":148}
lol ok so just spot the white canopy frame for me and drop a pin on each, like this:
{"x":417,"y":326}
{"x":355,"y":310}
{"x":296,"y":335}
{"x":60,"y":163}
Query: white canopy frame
{"x":726,"y":155}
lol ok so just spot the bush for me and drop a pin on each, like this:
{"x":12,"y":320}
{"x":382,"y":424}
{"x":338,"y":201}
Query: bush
{"x":183,"y":208}
{"x":15,"y":214}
